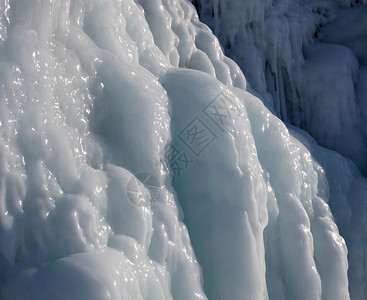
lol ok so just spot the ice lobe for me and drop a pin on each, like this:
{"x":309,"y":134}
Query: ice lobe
{"x":134,"y":165}
{"x":268,"y":200}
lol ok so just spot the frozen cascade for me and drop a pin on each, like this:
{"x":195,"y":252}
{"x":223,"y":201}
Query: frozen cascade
{"x":137,"y":163}
{"x":307,"y":61}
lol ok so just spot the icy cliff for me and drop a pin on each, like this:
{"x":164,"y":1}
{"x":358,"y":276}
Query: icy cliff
{"x":307,"y":61}
{"x":136,"y":162}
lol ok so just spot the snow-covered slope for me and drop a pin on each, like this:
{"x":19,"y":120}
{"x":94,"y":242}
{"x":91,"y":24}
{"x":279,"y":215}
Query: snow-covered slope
{"x":137,"y":163}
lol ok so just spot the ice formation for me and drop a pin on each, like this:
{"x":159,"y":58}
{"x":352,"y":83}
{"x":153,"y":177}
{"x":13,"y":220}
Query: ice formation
{"x":307,"y":61}
{"x":136,"y":162}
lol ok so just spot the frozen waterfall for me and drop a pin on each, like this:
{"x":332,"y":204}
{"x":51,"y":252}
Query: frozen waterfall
{"x":138,"y":162}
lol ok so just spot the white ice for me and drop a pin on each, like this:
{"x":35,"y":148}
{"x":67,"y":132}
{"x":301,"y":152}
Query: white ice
{"x":137,"y":162}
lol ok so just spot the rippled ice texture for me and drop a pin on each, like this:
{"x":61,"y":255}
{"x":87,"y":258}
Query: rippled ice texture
{"x":136,"y":164}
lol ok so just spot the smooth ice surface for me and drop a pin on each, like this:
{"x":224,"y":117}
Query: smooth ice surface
{"x":136,"y":162}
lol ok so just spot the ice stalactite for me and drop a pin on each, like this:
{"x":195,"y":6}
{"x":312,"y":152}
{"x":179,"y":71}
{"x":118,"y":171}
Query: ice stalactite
{"x":308,"y":56}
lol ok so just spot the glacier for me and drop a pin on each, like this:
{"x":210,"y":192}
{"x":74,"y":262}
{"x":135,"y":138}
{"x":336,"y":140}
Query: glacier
{"x":137,"y":161}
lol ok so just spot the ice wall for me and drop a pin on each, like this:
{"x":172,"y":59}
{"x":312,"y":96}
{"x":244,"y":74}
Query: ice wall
{"x":135,"y":165}
{"x":305,"y":59}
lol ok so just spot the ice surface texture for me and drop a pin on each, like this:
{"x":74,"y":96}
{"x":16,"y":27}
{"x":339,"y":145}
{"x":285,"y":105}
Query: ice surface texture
{"x":306,"y":59}
{"x":136,"y":164}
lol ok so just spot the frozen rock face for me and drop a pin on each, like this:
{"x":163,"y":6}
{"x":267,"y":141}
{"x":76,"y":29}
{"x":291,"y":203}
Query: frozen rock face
{"x":135,"y":165}
{"x":306,"y":59}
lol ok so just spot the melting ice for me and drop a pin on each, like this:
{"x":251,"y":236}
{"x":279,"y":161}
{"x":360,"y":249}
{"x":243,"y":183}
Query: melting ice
{"x":137,"y":162}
